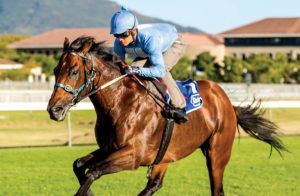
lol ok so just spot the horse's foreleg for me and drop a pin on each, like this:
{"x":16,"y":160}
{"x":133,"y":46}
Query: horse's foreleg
{"x":115,"y":162}
{"x":81,"y":164}
{"x":156,"y":179}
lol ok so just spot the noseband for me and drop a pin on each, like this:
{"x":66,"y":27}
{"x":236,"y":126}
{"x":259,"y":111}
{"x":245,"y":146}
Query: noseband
{"x":91,"y":76}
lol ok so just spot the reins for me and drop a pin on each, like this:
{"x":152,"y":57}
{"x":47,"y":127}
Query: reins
{"x":102,"y":87}
{"x":153,"y":95}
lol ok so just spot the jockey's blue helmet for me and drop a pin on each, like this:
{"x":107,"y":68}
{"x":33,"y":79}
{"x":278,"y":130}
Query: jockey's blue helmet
{"x":122,"y":21}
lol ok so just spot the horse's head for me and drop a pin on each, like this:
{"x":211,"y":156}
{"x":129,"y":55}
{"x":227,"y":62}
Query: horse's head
{"x":74,"y":76}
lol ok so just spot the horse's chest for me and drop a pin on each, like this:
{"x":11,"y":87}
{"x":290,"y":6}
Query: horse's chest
{"x":111,"y":138}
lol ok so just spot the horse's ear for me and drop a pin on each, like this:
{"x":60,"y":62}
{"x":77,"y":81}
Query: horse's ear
{"x":66,"y":44}
{"x":86,"y":48}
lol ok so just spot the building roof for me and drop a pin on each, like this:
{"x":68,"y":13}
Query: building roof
{"x":7,"y":64}
{"x":5,"y":61}
{"x":55,"y":38}
{"x":268,"y":27}
{"x":202,"y":39}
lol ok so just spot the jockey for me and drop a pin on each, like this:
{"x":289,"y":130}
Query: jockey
{"x":158,"y":44}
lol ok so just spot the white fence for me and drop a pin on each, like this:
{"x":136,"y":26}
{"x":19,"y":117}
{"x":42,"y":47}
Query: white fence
{"x":240,"y":92}
{"x":14,"y":85}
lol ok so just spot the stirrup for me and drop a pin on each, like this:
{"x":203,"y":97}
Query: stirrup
{"x":178,"y":116}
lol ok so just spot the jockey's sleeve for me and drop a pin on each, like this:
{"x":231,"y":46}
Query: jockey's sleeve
{"x":157,"y":69}
{"x":154,"y":49}
{"x":119,"y":49}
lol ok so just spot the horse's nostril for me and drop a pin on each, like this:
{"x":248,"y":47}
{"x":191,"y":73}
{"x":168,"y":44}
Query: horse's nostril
{"x":56,"y":109}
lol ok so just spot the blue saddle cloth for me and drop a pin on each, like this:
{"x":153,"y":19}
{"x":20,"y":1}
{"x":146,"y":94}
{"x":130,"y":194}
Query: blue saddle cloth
{"x":190,"y":91}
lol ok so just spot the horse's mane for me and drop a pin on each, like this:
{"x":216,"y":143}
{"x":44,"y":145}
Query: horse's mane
{"x":98,"y":48}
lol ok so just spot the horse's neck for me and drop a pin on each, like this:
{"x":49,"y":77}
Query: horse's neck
{"x":109,"y":99}
{"x":121,"y":96}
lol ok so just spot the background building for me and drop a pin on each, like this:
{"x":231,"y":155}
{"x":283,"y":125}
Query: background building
{"x":198,"y":43}
{"x":52,"y":42}
{"x":270,"y":35}
{"x":8,"y":64}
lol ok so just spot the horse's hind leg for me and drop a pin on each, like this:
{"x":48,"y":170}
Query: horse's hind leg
{"x":80,"y":165}
{"x":217,"y":151}
{"x":156,"y":179}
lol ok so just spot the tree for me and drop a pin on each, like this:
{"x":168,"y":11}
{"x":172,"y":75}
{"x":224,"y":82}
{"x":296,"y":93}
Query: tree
{"x":183,"y":69}
{"x":13,"y":74}
{"x":205,"y":63}
{"x":291,"y":72}
{"x":5,"y":40}
{"x":235,"y":69}
{"x":47,"y":63}
{"x":265,"y":69}
{"x":31,"y":63}
{"x":297,"y":73}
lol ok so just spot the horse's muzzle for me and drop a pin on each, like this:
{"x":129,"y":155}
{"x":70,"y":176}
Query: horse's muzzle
{"x":58,"y":113}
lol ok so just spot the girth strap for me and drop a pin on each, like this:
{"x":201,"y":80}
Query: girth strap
{"x":166,"y":137}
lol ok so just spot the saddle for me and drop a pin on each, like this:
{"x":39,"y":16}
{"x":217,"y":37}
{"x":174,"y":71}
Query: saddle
{"x":188,"y":88}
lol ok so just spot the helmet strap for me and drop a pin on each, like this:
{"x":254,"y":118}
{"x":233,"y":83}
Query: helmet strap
{"x":132,"y":35}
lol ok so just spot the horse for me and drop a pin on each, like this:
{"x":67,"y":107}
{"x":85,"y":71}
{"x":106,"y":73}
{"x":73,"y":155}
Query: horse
{"x":129,"y":125}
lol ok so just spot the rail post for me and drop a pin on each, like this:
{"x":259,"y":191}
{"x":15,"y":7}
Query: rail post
{"x":69,"y":130}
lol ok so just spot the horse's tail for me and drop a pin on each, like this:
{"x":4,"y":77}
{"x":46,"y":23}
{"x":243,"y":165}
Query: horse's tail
{"x":251,"y":119}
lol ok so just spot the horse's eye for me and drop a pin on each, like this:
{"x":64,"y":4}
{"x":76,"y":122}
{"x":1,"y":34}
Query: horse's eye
{"x":75,"y":72}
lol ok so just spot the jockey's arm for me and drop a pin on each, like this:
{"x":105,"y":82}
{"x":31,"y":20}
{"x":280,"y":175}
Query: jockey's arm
{"x":157,"y":70}
{"x":153,"y":48}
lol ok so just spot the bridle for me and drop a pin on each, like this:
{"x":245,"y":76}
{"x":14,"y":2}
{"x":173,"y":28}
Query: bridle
{"x":91,"y":76}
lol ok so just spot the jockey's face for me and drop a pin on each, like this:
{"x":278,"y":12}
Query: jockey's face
{"x":127,"y":37}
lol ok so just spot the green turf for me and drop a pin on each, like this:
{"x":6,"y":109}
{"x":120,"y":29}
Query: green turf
{"x":48,"y":171}
{"x":22,"y":128}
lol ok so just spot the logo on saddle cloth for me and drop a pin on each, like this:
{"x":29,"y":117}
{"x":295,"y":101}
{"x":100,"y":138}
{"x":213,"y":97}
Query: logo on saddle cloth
{"x":196,"y":100}
{"x":190,"y":91}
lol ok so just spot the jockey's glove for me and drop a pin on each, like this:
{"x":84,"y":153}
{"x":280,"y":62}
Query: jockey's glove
{"x":132,"y":70}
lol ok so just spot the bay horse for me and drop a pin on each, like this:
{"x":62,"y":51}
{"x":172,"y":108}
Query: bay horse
{"x":129,"y":124}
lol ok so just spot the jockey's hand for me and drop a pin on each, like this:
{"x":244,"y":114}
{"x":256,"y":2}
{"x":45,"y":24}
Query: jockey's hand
{"x":132,"y":70}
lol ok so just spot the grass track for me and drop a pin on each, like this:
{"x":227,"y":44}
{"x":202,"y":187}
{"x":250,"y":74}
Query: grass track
{"x":48,"y":171}
{"x":20,"y":128}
